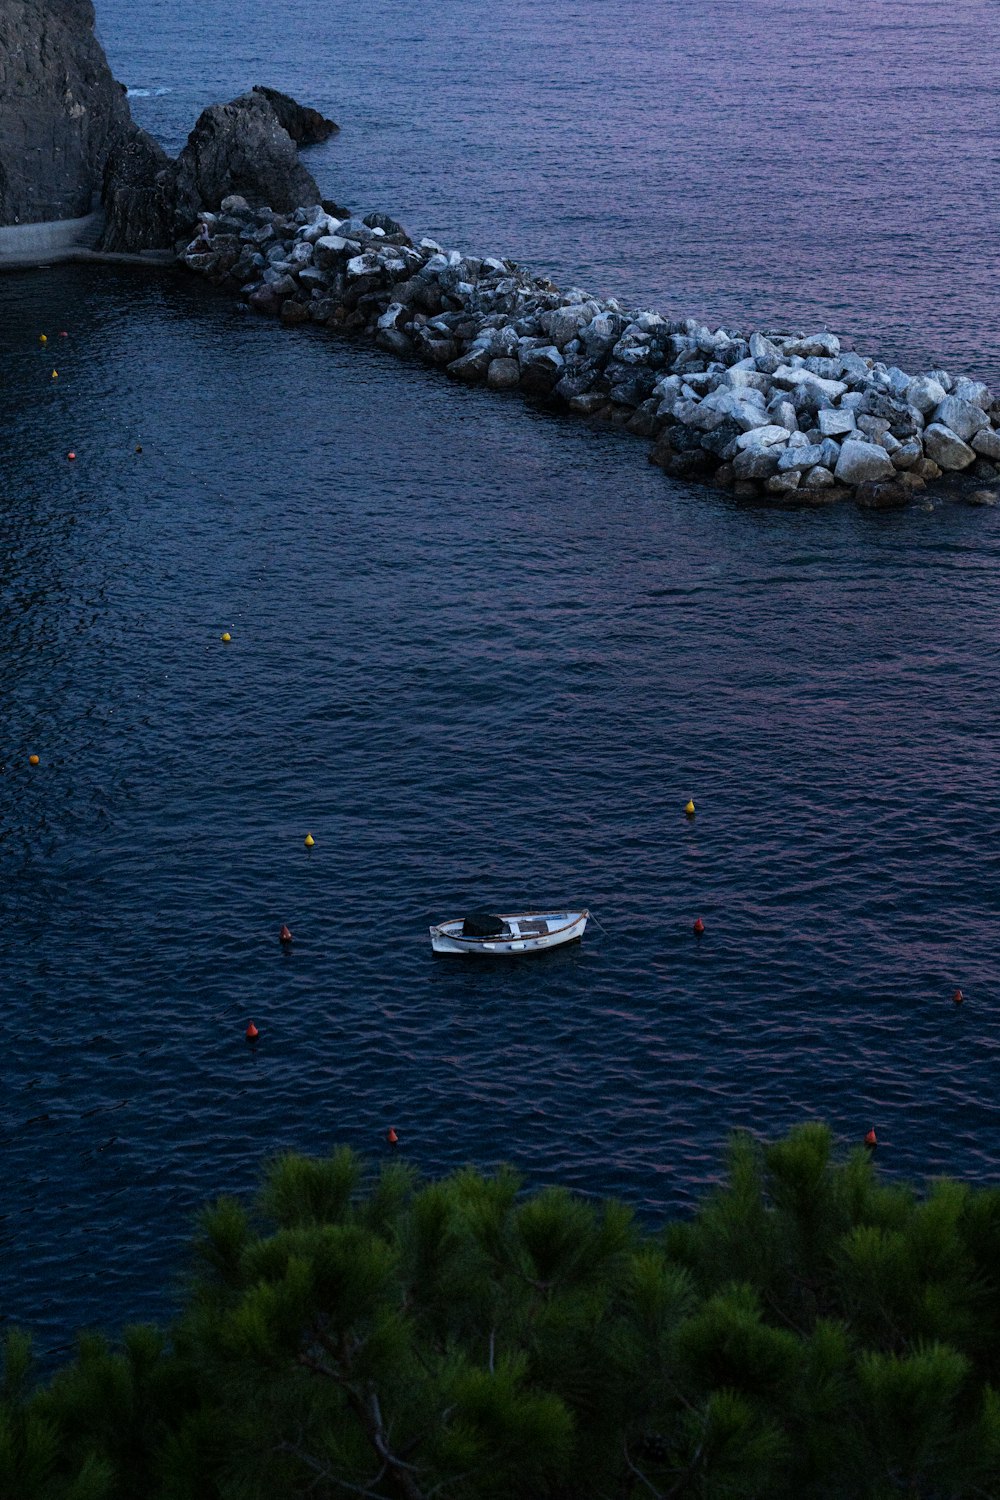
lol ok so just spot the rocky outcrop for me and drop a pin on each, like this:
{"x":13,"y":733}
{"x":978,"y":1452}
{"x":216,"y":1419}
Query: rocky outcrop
{"x":61,"y":111}
{"x":306,"y":126}
{"x":247,"y":148}
{"x":138,"y":195}
{"x":790,"y":418}
{"x":66,"y":136}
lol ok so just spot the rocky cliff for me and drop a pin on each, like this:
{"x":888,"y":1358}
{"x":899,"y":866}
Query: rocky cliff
{"x":67,"y":137}
{"x":61,"y":110}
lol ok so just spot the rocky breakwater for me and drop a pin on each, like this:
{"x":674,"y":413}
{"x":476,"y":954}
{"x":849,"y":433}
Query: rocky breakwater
{"x":784,"y":417}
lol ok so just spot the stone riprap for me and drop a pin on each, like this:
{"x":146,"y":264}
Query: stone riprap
{"x":792,"y":418}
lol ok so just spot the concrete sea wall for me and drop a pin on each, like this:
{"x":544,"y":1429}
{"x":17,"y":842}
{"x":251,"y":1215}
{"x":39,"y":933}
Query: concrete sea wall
{"x":789,"y":417}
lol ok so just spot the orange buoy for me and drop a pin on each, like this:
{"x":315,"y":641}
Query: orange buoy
{"x":252,"y":1033}
{"x":958,"y":997}
{"x":71,"y":455}
{"x":284,"y":936}
{"x":699,"y":927}
{"x":32,"y":760}
{"x":871,"y":1139}
{"x":392,"y":1137}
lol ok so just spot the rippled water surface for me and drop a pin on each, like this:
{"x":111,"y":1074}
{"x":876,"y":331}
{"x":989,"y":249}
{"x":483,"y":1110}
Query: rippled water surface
{"x":484,"y":655}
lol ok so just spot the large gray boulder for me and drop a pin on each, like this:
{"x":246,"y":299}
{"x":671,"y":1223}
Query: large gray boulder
{"x":61,"y":110}
{"x":946,"y":448}
{"x":964,"y":418}
{"x":240,"y":147}
{"x":861,"y":462}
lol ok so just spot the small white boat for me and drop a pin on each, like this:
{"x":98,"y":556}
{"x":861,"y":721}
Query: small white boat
{"x":514,"y":932}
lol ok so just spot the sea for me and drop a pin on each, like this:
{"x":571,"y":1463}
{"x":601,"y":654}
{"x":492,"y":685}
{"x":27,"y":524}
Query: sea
{"x":484,"y":655}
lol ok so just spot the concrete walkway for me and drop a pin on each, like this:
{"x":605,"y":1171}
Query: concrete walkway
{"x":55,"y":240}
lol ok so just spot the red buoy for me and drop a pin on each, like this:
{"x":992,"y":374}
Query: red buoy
{"x":871,"y":1139}
{"x":71,"y":455}
{"x":392,"y":1137}
{"x":252,"y":1033}
{"x":958,"y":997}
{"x":64,"y":335}
{"x":284,"y":936}
{"x":699,"y":927}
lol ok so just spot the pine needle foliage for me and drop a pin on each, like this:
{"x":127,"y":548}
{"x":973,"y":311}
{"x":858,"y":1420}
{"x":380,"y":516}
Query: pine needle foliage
{"x":811,"y":1333}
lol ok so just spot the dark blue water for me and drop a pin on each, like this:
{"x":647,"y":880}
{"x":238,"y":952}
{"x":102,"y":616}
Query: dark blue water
{"x":484,"y":656}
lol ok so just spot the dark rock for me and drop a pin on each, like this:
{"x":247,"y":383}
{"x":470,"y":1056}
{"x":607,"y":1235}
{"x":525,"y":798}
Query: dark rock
{"x":393,"y":229}
{"x":306,"y":126}
{"x":722,"y":439}
{"x":61,"y":114}
{"x":642,"y":422}
{"x":882,"y":494}
{"x":293,"y":311}
{"x":137,"y":195}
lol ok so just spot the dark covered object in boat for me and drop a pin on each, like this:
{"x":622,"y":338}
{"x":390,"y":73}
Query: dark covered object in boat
{"x":482,"y":924}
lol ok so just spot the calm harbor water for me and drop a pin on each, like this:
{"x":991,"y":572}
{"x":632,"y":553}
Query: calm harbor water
{"x":485,"y":655}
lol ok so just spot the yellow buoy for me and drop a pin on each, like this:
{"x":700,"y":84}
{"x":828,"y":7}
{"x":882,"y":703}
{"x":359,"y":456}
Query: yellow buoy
{"x":32,"y":760}
{"x":55,"y":374}
{"x":309,"y":841}
{"x":689,"y":809}
{"x":42,"y":339}
{"x":225,"y":636}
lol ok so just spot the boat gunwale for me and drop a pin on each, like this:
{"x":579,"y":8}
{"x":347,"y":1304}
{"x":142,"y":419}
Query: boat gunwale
{"x":574,"y":918}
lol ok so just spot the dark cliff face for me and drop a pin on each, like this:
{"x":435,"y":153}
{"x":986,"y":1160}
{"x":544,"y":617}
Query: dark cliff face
{"x":61,"y":110}
{"x":67,"y":138}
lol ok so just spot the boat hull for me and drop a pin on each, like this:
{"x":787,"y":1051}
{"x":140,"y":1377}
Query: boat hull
{"x":562,"y":928}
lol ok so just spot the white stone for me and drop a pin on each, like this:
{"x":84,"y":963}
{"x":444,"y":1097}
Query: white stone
{"x":739,"y":378}
{"x":394,"y":314}
{"x":367,"y":264}
{"x":946,"y":448}
{"x":763,"y":437}
{"x":987,"y":443}
{"x":974,"y":391}
{"x":854,"y":368}
{"x":813,"y":344}
{"x":793,"y":376}
{"x":835,"y":420}
{"x":962,"y":417}
{"x":783,"y":414}
{"x":818,"y":478}
{"x":801,"y":458}
{"x":746,"y":415}
{"x":764,"y":354}
{"x":924,"y":392}
{"x":859,"y":462}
